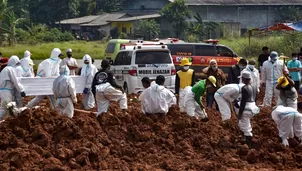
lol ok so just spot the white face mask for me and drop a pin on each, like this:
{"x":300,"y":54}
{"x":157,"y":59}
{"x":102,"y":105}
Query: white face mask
{"x":186,"y":67}
{"x":251,"y":67}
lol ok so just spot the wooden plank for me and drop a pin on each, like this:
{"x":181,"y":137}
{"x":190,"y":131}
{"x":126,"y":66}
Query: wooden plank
{"x":85,"y":111}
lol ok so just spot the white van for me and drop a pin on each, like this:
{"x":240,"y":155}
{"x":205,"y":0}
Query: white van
{"x":143,"y":60}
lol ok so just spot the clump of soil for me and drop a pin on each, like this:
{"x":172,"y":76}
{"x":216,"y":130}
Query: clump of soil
{"x":41,"y":139}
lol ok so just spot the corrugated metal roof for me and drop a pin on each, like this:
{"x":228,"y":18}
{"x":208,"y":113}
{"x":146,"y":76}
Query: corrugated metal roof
{"x":141,"y":17}
{"x":242,"y":2}
{"x":102,"y":20}
{"x":80,"y":20}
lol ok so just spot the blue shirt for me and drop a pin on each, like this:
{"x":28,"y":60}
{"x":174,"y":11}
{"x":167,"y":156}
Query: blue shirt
{"x":296,"y":76}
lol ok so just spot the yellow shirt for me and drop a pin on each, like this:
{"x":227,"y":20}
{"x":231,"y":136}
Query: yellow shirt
{"x":185,"y":78}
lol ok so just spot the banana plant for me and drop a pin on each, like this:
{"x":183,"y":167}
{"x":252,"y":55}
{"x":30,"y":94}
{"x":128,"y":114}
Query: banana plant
{"x":8,"y":28}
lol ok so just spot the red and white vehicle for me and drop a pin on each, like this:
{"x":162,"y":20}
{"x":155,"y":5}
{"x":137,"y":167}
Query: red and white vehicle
{"x":137,"y":60}
{"x":200,"y":54}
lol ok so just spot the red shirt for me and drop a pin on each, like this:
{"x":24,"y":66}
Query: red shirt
{"x":3,"y":61}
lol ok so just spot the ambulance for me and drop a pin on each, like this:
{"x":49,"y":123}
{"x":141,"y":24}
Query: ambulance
{"x":200,"y":54}
{"x":138,"y":60}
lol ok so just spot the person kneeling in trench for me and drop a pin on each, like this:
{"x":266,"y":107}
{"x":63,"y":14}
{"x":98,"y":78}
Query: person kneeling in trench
{"x":193,"y":97}
{"x":288,"y":122}
{"x":64,"y":91}
{"x":105,"y":89}
{"x":157,"y":99}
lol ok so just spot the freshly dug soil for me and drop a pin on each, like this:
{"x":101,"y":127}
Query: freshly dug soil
{"x":41,"y":139}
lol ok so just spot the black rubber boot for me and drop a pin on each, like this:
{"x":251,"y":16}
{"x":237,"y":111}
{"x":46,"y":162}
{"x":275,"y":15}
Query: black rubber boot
{"x":248,"y":141}
{"x":206,"y":119}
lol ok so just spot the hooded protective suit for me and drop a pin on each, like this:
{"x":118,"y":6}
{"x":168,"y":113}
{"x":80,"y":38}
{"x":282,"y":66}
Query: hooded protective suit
{"x":8,"y":84}
{"x":23,"y":70}
{"x":156,"y":99}
{"x":288,"y":122}
{"x":270,"y":73}
{"x":226,"y":95}
{"x":47,"y":68}
{"x":64,"y":90}
{"x":88,"y":70}
{"x":26,"y":67}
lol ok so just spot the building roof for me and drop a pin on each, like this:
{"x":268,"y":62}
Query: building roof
{"x":80,"y":20}
{"x":141,"y":17}
{"x":102,"y":19}
{"x":241,"y":2}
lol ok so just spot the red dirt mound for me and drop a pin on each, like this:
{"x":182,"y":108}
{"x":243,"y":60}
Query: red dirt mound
{"x":40,"y":139}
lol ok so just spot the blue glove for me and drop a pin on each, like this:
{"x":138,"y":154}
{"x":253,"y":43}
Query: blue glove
{"x":86,"y":90}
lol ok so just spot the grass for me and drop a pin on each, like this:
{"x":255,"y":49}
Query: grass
{"x":42,"y":51}
{"x":282,"y":43}
{"x":285,"y":43}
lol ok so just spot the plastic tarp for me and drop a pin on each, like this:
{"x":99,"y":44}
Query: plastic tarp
{"x":43,"y":85}
{"x":282,"y":26}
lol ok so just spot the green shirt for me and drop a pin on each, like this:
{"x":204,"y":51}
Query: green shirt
{"x":198,"y":89}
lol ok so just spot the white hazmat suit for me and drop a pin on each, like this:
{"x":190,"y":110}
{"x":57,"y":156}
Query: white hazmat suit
{"x":8,"y":84}
{"x":88,"y":70}
{"x":106,"y":93}
{"x":64,"y":91}
{"x":226,"y":95}
{"x":23,"y":70}
{"x":47,"y":68}
{"x":193,"y":109}
{"x":288,"y":122}
{"x":255,"y":77}
{"x":27,"y":65}
{"x":156,"y":99}
{"x":269,"y":75}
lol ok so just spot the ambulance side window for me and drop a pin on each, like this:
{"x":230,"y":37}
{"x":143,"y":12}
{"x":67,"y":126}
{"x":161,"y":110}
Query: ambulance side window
{"x":204,"y":50}
{"x":123,"y":58}
{"x":224,"y":51}
{"x":182,"y":50}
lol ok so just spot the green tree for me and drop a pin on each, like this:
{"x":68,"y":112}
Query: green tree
{"x":9,"y":26}
{"x":4,"y":8}
{"x":200,"y":28}
{"x":176,"y":13}
{"x":148,"y":29}
{"x":290,"y":14}
{"x":50,"y":11}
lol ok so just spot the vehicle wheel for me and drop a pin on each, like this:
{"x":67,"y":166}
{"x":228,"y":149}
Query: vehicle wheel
{"x":125,"y":87}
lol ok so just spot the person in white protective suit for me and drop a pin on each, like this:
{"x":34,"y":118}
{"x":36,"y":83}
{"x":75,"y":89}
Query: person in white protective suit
{"x":27,"y":65}
{"x":288,"y":93}
{"x":8,"y":84}
{"x":288,"y":122}
{"x":23,"y":70}
{"x":247,"y":108}
{"x":184,"y":77}
{"x":255,"y":76}
{"x":193,"y":99}
{"x":88,"y":70}
{"x":157,"y":99}
{"x":105,"y":89}
{"x":226,"y":95}
{"x":64,"y":91}
{"x":48,"y":68}
{"x":272,"y":69}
